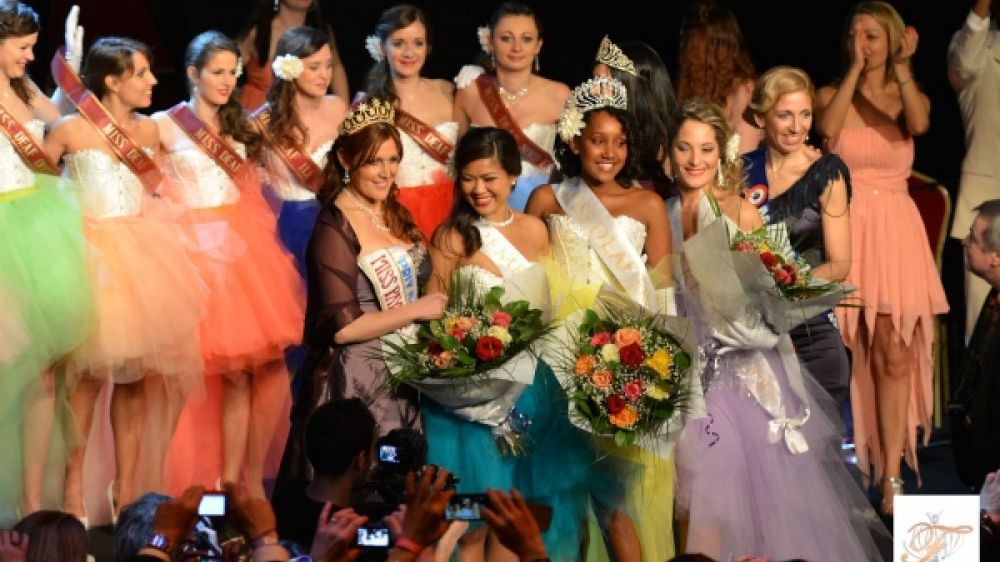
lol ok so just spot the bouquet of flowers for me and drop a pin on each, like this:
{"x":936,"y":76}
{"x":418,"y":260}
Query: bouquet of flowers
{"x":626,"y":371}
{"x":477,"y":358}
{"x":758,"y":269}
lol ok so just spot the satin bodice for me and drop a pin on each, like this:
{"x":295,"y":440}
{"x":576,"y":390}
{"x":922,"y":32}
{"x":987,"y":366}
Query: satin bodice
{"x":14,"y":173}
{"x":203,"y":183}
{"x":572,"y":250}
{"x":286,"y":185}
{"x":880,"y":158}
{"x":105,"y":186}
{"x":417,"y":167}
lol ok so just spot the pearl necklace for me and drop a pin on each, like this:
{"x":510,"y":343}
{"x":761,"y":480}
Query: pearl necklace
{"x":498,"y":224}
{"x":376,"y":222}
{"x":512,"y":97}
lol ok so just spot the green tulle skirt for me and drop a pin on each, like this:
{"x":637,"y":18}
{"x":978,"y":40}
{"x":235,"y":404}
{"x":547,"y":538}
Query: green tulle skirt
{"x":45,"y":290}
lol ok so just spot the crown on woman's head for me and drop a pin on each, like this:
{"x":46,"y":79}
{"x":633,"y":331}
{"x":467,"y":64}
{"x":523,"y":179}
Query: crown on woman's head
{"x":595,"y":93}
{"x":609,"y":54}
{"x":368,"y":113}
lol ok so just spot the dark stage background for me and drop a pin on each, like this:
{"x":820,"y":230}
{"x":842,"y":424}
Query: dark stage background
{"x":805,"y":34}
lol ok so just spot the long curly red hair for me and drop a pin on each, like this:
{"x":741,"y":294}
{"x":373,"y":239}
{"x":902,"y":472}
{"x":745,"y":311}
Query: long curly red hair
{"x":713,"y":55}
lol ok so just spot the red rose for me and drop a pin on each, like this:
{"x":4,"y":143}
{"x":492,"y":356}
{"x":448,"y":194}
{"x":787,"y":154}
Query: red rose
{"x":600,"y":338}
{"x":500,"y":318}
{"x":488,"y":347}
{"x":790,"y":269}
{"x":768,"y":259}
{"x":744,"y":246}
{"x":633,"y":389}
{"x":457,"y":334}
{"x":615,"y":404}
{"x":434,"y":348}
{"x":782,"y":277}
{"x":631,"y":355}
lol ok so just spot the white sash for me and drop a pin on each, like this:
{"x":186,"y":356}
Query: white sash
{"x":611,"y":245}
{"x":501,"y":252}
{"x":393,"y":274}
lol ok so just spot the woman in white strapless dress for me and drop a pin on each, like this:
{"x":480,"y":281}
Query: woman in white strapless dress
{"x":147,"y":292}
{"x":400,"y":46}
{"x":510,"y":53}
{"x":604,"y":231}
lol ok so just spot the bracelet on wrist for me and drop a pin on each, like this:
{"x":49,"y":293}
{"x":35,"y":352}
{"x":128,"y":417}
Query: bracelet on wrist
{"x":266,"y":538}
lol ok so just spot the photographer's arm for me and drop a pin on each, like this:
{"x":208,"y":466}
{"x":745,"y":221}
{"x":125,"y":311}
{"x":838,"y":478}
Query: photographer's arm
{"x":173,"y":521}
{"x":511,"y":520}
{"x":334,"y":541}
{"x":255,"y":519}
{"x":424,"y":521}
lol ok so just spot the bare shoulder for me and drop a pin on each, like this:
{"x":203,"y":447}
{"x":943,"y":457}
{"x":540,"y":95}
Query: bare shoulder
{"x":445,"y":87}
{"x":749,"y":215}
{"x":532,"y":225}
{"x":68,"y":125}
{"x":149,"y":131}
{"x":556,"y":90}
{"x":335,"y":104}
{"x":542,"y":202}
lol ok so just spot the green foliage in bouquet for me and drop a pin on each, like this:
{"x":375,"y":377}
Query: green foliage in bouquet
{"x":477,"y":333}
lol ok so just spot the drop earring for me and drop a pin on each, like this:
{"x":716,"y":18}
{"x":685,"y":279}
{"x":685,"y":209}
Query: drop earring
{"x":276,"y":5}
{"x":719,"y":180}
{"x":493,"y":59}
{"x":538,"y":67}
{"x":346,"y":179}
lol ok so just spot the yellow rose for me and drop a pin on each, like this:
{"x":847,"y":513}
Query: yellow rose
{"x":656,"y":392}
{"x":626,"y":336}
{"x":624,"y":419}
{"x":609,"y":352}
{"x":764,"y":248}
{"x":450,"y":323}
{"x":584,"y":365}
{"x":660,"y":362}
{"x":601,"y":379}
{"x":500,"y":333}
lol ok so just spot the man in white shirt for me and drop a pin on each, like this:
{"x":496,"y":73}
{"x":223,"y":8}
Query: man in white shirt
{"x":974,"y":72}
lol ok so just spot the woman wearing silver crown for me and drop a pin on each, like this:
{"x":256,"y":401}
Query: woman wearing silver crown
{"x":604,"y":231}
{"x":424,"y":106}
{"x":650,"y":100}
{"x":513,"y":97}
{"x":365,"y":263}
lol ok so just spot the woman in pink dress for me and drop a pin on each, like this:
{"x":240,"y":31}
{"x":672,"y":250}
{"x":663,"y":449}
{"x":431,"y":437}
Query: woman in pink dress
{"x":869,"y":119}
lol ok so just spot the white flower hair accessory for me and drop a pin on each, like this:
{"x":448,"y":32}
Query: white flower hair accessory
{"x":570,"y":122}
{"x":374,"y":46}
{"x":592,"y":94}
{"x":733,"y":148}
{"x":287,"y":67}
{"x":239,"y":67}
{"x":485,"y":35}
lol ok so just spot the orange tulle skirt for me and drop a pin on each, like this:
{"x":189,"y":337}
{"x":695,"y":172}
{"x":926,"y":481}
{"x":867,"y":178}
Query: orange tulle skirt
{"x":429,"y":204}
{"x":149,"y":301}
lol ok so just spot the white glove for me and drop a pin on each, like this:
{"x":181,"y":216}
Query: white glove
{"x":73,"y":37}
{"x":740,"y":335}
{"x":989,"y":496}
{"x":467,"y":75}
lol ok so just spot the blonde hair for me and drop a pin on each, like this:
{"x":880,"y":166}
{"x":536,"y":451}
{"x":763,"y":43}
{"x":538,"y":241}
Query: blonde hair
{"x":773,"y":84}
{"x":704,"y":111}
{"x":890,"y":21}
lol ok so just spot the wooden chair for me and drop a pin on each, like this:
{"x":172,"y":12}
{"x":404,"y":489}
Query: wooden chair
{"x":934,"y":204}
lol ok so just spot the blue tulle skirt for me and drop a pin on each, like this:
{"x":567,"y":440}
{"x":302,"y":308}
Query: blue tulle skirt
{"x":296,"y":220}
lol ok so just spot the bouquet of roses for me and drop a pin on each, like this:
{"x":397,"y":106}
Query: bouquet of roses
{"x":477,"y":358}
{"x":626,"y":371}
{"x":738,"y":271}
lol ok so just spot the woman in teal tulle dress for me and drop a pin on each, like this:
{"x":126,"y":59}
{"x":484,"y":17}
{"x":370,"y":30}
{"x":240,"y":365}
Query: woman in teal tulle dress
{"x":489,"y":244}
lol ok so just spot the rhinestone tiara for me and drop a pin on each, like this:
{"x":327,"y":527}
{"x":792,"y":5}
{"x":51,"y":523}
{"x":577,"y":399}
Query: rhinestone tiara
{"x":595,"y":93}
{"x":368,"y":113}
{"x":609,"y":54}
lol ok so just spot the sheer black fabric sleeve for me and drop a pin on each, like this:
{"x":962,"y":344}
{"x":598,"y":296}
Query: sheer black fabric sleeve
{"x":332,"y":271}
{"x":806,"y":192}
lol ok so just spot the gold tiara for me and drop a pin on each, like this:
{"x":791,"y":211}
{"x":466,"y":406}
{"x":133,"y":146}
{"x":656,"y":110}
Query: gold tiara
{"x":609,"y":54}
{"x":368,"y":113}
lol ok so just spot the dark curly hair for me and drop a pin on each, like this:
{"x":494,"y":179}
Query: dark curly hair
{"x":570,"y":163}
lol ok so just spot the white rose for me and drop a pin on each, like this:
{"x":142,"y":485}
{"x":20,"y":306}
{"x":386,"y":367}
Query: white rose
{"x":500,"y":333}
{"x":609,"y":353}
{"x":485,"y":35}
{"x":374,"y":46}
{"x":287,"y":67}
{"x":570,"y":122}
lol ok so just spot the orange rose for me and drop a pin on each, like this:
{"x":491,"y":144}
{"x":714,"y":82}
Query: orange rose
{"x":626,"y":336}
{"x":601,"y":379}
{"x":584,"y":365}
{"x":624,"y":419}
